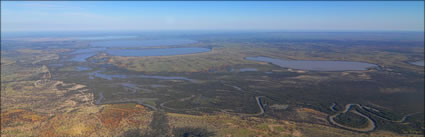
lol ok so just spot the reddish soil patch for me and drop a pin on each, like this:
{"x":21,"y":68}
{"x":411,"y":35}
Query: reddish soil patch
{"x":112,"y":115}
{"x":20,"y":115}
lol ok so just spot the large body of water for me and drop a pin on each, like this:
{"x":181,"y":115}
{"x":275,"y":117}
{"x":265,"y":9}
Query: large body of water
{"x":82,"y":55}
{"x":315,"y":65}
{"x":142,"y":43}
{"x":247,"y":69}
{"x":105,"y":37}
{"x":419,"y":63}
{"x":156,"y":52}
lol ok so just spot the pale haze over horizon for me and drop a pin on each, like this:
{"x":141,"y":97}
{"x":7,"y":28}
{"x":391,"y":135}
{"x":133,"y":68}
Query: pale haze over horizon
{"x":141,"y":16}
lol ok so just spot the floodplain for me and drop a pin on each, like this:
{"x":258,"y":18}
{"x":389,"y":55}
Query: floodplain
{"x":214,"y":85}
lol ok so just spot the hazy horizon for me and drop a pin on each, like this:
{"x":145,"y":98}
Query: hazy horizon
{"x":211,"y":16}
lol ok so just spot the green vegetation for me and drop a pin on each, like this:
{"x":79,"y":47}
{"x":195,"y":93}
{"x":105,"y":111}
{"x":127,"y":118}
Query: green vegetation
{"x":352,"y":120}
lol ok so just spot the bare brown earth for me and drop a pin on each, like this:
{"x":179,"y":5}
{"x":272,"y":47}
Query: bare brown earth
{"x":76,"y":115}
{"x":56,"y":113}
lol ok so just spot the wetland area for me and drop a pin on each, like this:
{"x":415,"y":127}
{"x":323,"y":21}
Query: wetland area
{"x":327,"y":84}
{"x":315,"y":65}
{"x":212,"y":69}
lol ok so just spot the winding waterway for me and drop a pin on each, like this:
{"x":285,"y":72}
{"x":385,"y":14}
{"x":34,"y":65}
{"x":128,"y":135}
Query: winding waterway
{"x":370,"y":123}
{"x":122,"y":76}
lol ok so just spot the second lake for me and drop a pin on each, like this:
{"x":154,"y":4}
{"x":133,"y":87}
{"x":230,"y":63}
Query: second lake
{"x":315,"y":65}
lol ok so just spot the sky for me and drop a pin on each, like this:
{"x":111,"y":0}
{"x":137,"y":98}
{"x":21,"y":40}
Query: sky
{"x":212,"y":15}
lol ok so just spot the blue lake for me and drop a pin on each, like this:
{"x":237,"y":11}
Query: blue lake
{"x":83,"y":54}
{"x":419,"y":63}
{"x":142,"y":43}
{"x":315,"y":65}
{"x":247,"y":69}
{"x":158,"y":86}
{"x":105,"y":37}
{"x":156,"y":52}
{"x":55,"y":65}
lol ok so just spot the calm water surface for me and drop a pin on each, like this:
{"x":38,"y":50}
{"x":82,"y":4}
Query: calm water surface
{"x":247,"y":69}
{"x":419,"y":63}
{"x":55,"y":65}
{"x":142,"y":43}
{"x":83,"y":54}
{"x":105,"y":37}
{"x":157,"y":52}
{"x":315,"y":65}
